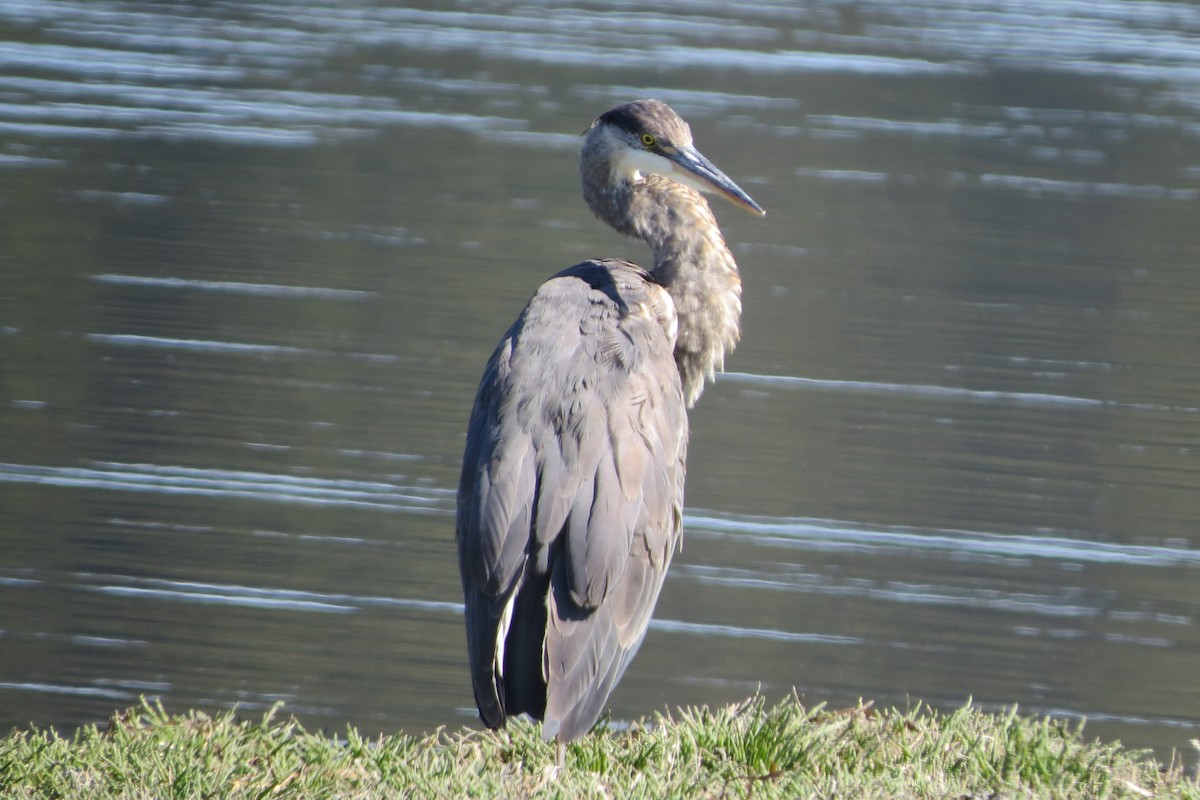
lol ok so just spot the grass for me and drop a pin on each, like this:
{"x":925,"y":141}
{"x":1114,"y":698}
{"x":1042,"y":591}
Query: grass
{"x":741,"y":751}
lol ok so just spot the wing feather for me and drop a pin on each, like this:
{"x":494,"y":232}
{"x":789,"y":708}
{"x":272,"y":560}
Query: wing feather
{"x":571,"y":495}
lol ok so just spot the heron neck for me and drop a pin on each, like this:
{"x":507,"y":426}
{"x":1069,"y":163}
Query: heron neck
{"x":691,"y":261}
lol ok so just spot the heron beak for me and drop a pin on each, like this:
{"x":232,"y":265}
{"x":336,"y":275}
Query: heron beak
{"x":701,"y":174}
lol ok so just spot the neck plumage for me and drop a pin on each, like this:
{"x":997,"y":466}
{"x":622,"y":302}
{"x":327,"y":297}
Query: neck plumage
{"x":691,"y":261}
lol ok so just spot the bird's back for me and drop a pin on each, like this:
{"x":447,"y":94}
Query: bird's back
{"x":570,"y":500}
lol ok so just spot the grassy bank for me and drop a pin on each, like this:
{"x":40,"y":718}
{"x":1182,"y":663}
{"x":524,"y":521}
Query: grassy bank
{"x":748,"y":750}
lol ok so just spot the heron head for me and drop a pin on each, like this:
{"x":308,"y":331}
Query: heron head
{"x":647,"y":137}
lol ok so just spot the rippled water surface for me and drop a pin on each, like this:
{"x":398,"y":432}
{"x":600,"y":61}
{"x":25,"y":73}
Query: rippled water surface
{"x":253,"y":256}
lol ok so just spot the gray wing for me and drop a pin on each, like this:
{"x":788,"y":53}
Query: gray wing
{"x":570,"y":501}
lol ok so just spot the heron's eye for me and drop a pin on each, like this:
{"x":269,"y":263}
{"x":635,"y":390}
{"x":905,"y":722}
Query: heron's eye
{"x":648,"y":139}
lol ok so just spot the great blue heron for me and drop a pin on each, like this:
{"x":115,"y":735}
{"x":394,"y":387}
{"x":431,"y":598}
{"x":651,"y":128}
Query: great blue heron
{"x":571,"y":495}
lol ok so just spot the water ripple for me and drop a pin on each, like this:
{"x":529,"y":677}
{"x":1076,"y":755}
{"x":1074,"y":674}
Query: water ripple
{"x":235,"y":287}
{"x":823,"y":534}
{"x":737,"y":632}
{"x":74,"y":691}
{"x":254,"y":596}
{"x":891,"y":592}
{"x":233,"y":348}
{"x":1037,"y":186}
{"x":952,"y":393}
{"x":155,"y":478}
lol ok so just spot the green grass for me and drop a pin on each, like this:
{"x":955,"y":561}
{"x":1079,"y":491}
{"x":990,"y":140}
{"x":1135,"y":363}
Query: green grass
{"x":747,"y":750}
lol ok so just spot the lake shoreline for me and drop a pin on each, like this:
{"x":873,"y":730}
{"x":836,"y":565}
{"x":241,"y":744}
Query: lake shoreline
{"x":742,"y":750}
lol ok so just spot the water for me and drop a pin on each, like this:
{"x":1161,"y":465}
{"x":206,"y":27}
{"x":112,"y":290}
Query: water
{"x":253,"y":257}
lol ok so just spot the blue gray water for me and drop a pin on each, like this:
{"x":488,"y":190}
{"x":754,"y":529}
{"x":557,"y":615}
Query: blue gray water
{"x":253,"y":257}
